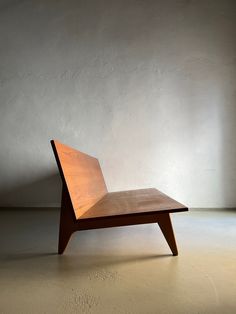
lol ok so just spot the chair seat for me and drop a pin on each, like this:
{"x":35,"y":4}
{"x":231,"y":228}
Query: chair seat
{"x":133,"y":202}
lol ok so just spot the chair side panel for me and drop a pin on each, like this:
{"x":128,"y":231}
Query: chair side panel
{"x":82,"y":175}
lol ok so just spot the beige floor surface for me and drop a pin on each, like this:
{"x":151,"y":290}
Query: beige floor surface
{"x":127,"y":270}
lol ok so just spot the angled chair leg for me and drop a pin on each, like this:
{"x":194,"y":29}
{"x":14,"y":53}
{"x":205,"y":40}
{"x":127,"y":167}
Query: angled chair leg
{"x":64,"y":238}
{"x":67,"y":224}
{"x":165,"y":225}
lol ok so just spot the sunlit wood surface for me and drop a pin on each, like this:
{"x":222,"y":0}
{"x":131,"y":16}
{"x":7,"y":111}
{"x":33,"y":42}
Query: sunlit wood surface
{"x":133,"y":202}
{"x":82,"y":175}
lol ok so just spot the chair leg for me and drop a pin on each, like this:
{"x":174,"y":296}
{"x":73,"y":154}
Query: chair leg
{"x":64,"y":238}
{"x":165,"y":225}
{"x":67,"y":224}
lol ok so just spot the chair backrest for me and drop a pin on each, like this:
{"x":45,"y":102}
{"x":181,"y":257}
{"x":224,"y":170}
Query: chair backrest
{"x":82,"y":176}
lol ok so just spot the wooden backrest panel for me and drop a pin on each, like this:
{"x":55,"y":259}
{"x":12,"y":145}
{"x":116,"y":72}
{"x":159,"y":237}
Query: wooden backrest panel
{"x":82,"y":175}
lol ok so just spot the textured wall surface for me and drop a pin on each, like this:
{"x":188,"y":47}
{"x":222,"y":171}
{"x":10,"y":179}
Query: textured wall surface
{"x":148,"y":87}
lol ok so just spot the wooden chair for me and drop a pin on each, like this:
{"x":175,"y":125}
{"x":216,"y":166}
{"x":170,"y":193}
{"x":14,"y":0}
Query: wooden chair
{"x":87,"y":204}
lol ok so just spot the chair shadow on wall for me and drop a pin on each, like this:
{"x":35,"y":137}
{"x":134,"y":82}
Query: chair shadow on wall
{"x":45,"y":191}
{"x":29,"y":218}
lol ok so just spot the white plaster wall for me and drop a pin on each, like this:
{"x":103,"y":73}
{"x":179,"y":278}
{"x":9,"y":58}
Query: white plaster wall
{"x":146,"y":86}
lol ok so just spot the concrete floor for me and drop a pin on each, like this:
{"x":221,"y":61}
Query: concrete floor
{"x":126,"y":270}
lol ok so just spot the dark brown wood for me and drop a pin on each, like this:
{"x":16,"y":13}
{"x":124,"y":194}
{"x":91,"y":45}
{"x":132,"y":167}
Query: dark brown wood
{"x":67,"y":221}
{"x":165,"y":225}
{"x":86,"y":203}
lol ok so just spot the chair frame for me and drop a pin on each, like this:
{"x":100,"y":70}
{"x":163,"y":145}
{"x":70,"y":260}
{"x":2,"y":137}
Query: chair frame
{"x":69,"y":223}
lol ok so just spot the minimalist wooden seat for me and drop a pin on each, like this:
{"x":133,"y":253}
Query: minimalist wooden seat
{"x":87,"y":204}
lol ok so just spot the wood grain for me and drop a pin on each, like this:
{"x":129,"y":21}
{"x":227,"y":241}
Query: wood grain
{"x":133,"y":202}
{"x":82,"y":175}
